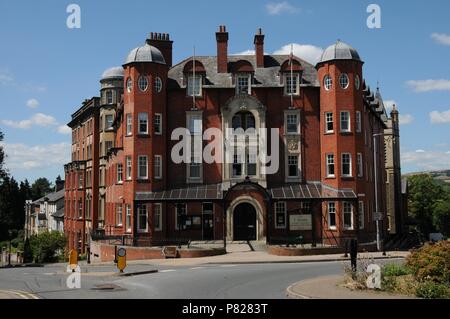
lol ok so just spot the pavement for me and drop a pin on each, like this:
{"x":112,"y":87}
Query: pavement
{"x":262,"y":257}
{"x":327,"y":287}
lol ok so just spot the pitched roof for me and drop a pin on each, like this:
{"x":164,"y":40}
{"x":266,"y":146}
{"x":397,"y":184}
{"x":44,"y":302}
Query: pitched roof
{"x":264,"y":77}
{"x":52,"y":197}
{"x":59,"y":213}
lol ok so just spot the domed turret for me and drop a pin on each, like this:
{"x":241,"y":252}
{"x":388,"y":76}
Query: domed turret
{"x":339,"y":51}
{"x":145,"y":53}
{"x":113,"y":73}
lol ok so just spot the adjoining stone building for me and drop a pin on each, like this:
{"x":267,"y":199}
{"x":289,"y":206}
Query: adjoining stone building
{"x":123,"y":180}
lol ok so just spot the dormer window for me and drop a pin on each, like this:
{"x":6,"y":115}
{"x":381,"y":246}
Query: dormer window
{"x":194,"y":86}
{"x":292,"y":84}
{"x":243,"y":83}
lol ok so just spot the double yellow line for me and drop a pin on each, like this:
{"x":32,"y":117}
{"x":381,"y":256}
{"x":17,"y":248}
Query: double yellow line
{"x":20,"y":294}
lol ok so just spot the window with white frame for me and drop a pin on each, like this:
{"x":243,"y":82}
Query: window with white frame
{"x":109,"y":97}
{"x":292,"y":165}
{"x":158,"y":124}
{"x":129,"y":167}
{"x":142,"y":218}
{"x":332,"y":215}
{"x":129,"y":84}
{"x":157,"y":217}
{"x":157,"y":165}
{"x":291,"y":84}
{"x":119,"y":215}
{"x":143,"y":83}
{"x":292,"y":122}
{"x":142,"y":167}
{"x":143,"y":123}
{"x":129,"y":120}
{"x":128,"y":218}
{"x":108,"y":146}
{"x":344,"y":81}
{"x":358,"y":121}
{"x":329,"y":126}
{"x":195,"y":126}
{"x":119,"y":173}
{"x":280,"y":215}
{"x":243,"y":83}
{"x":345,"y":121}
{"x":109,"y":118}
{"x":237,"y":165}
{"x":251,"y":164}
{"x":180,"y":212}
{"x":346,"y":167}
{"x":361,"y":215}
{"x":348,"y":215}
{"x":327,"y":82}
{"x":330,"y":165}
{"x":194,"y":168}
{"x":360,"y":165}
{"x":158,"y":84}
{"x":194,"y":86}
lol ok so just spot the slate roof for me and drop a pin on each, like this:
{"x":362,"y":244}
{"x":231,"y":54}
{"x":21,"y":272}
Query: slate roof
{"x":339,"y":51}
{"x":59,"y":213}
{"x":263,"y":77}
{"x":52,"y":197}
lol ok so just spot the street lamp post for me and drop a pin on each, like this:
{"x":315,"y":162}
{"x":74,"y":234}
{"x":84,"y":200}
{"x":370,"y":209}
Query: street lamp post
{"x":375,"y":162}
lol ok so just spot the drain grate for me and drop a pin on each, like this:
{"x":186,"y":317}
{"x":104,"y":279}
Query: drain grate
{"x":107,"y":287}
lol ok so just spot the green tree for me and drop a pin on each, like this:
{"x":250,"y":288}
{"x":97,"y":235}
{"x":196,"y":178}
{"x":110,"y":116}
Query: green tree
{"x":441,"y":216}
{"x":3,"y":172}
{"x":11,"y":210}
{"x":424,"y":192}
{"x":47,"y":246}
{"x":40,"y":188}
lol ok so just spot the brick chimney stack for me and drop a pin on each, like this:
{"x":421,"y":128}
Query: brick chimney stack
{"x":259,"y":48}
{"x":162,"y":42}
{"x":222,"y":50}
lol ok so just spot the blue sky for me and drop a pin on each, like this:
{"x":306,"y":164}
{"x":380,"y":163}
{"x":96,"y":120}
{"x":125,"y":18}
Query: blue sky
{"x":47,"y":69}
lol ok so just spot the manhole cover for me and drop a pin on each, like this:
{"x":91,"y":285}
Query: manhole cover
{"x":107,"y":287}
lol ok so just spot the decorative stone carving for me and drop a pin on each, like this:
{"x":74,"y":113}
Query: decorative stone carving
{"x":293,"y":144}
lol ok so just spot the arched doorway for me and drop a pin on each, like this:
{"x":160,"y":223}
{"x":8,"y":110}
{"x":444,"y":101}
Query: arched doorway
{"x":244,"y":222}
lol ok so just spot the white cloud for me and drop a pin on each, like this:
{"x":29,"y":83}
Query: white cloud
{"x":246,"y":52}
{"x":33,"y":103}
{"x":404,"y":119}
{"x":441,"y":38}
{"x":25,"y":157}
{"x":39,"y":119}
{"x":64,"y":129}
{"x":426,"y":160}
{"x":6,"y":78}
{"x":429,"y":85}
{"x":307,"y":52}
{"x":276,"y":8}
{"x":440,"y":117}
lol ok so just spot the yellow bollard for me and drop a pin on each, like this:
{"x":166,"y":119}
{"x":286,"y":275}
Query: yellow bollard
{"x":73,"y":259}
{"x":121,"y":259}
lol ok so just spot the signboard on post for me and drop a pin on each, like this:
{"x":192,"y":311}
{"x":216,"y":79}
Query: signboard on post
{"x":377,"y":216}
{"x":300,"y":222}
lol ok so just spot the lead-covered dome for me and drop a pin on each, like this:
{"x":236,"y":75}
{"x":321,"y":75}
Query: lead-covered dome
{"x":115,"y":72}
{"x":339,"y":51}
{"x":145,"y":53}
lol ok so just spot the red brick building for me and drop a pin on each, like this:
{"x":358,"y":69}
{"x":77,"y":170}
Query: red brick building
{"x":123,"y":179}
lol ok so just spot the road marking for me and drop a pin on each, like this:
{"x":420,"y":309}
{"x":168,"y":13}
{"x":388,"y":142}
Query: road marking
{"x":167,"y":270}
{"x":227,"y":266}
{"x":193,"y":268}
{"x":20,"y":293}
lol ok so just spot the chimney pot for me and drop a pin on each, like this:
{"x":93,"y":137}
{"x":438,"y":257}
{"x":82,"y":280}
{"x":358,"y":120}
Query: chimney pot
{"x":222,"y":49}
{"x":259,"y":48}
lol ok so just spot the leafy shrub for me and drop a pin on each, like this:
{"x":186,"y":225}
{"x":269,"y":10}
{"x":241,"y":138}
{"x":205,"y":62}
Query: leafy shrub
{"x":47,"y":246}
{"x":432,"y":290}
{"x":390,"y":270}
{"x":431,"y":263}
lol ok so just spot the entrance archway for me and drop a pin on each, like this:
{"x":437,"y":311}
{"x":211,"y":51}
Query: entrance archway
{"x":244,"y":222}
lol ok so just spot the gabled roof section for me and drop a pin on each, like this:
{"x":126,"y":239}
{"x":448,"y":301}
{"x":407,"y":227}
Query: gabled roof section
{"x":268,"y":76}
